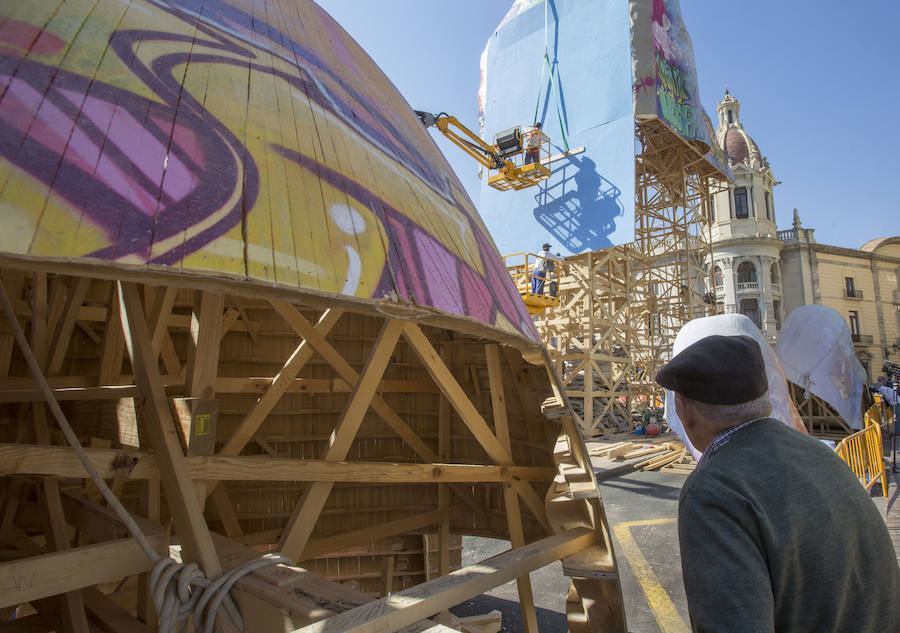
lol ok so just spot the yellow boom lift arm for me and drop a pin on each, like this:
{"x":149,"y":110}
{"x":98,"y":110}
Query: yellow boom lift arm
{"x":505,"y":159}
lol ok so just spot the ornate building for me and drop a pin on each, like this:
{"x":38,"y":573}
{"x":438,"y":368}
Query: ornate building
{"x":765,"y":273}
{"x":746,"y":248}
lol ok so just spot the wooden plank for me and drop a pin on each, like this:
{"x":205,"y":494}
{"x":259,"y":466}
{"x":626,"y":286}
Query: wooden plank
{"x":186,"y":511}
{"x":33,"y":623}
{"x":159,"y":317}
{"x":113,"y":342}
{"x":303,"y":520}
{"x":66,"y":326}
{"x":20,"y":389}
{"x":203,"y":350}
{"x":50,"y":574}
{"x":61,"y":461}
{"x":71,"y":603}
{"x":109,"y":617}
{"x":443,"y":490}
{"x":338,"y":542}
{"x":300,"y":594}
{"x":226,"y":511}
{"x":510,"y":498}
{"x":411,"y":605}
{"x":469,"y":414}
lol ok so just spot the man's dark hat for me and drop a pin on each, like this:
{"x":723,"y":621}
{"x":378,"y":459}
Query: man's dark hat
{"x":546,"y":246}
{"x":717,"y":370}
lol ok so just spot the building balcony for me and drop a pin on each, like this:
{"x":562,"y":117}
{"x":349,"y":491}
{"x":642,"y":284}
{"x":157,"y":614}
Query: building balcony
{"x":787,"y":235}
{"x":748,"y":286}
{"x":863,"y":339}
{"x":853,"y":294}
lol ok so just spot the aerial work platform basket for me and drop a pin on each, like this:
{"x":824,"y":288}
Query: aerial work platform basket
{"x":538,"y":289}
{"x":524,"y":164}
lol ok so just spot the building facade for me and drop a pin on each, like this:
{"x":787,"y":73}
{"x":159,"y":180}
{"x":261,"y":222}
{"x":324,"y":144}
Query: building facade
{"x":764,"y":273}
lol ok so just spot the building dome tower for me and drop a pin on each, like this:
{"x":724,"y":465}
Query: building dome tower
{"x":746,"y":249}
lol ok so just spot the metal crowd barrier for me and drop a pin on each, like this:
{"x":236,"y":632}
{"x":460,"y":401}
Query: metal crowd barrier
{"x":863,"y":451}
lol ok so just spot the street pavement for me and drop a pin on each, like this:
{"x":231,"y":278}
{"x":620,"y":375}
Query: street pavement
{"x":641,"y":509}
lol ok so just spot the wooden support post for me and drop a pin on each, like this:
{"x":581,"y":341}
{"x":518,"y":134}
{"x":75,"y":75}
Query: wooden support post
{"x":411,"y":605}
{"x":186,"y":511}
{"x":149,"y":506}
{"x":113,"y":342}
{"x":443,"y":491}
{"x":305,"y":515}
{"x":71,"y":603}
{"x":66,"y":326}
{"x":469,"y":414}
{"x":510,"y":498}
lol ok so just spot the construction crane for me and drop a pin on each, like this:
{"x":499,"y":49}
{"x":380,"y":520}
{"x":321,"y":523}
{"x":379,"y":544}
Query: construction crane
{"x":511,"y":166}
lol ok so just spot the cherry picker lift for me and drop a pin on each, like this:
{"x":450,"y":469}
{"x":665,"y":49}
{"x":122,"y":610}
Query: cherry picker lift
{"x":512,"y":164}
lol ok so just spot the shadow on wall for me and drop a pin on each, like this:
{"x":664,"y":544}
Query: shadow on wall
{"x":579,"y":208}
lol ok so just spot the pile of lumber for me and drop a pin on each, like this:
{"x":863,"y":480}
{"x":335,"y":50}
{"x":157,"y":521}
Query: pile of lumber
{"x":671,"y":455}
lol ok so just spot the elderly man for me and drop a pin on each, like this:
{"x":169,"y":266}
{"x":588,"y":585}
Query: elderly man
{"x":776,"y":533}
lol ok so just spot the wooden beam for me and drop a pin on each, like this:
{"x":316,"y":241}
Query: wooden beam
{"x":50,"y":574}
{"x":343,"y":368}
{"x":345,"y":371}
{"x":469,"y":414}
{"x":306,"y":513}
{"x":71,"y":603}
{"x":63,"y":334}
{"x":203,"y":351}
{"x":20,"y":389}
{"x":411,"y":605}
{"x":279,"y":385}
{"x":510,"y":498}
{"x":113,"y":342}
{"x":443,"y":491}
{"x":61,"y":461}
{"x":338,"y":542}
{"x":186,"y":511}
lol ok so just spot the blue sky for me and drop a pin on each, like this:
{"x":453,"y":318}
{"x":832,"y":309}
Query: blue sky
{"x":817,"y":82}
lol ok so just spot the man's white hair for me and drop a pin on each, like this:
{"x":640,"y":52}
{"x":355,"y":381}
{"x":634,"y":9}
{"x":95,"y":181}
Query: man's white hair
{"x":731,"y":414}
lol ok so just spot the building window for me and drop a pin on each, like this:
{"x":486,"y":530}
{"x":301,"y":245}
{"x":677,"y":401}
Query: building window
{"x":776,"y":308}
{"x":730,"y":116}
{"x":850,"y":286}
{"x":750,"y":308}
{"x":768,"y":198}
{"x":773,"y":275}
{"x":741,"y":208}
{"x":712,"y":208}
{"x":854,"y":325}
{"x":717,"y":274}
{"x":746,"y":273}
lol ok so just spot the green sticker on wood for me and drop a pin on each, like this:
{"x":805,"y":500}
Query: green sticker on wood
{"x":201,"y":424}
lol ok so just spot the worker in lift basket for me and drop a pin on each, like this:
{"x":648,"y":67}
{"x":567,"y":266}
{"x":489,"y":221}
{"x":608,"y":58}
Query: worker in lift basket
{"x":533,"y":139}
{"x":776,"y":532}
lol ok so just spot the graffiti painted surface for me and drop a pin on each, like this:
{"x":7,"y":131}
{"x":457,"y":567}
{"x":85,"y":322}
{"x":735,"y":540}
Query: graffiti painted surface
{"x":254,"y":140}
{"x":582,"y":95}
{"x":665,"y":75}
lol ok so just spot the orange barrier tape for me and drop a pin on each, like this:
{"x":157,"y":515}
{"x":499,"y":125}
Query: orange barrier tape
{"x":862,"y":451}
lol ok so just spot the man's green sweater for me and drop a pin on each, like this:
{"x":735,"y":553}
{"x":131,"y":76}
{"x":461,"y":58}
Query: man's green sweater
{"x":778,"y":535}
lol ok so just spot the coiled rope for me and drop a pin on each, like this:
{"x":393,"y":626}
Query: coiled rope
{"x":179,"y":590}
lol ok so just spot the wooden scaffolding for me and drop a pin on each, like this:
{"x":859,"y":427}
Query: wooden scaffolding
{"x":621,"y":307}
{"x":255,"y":422}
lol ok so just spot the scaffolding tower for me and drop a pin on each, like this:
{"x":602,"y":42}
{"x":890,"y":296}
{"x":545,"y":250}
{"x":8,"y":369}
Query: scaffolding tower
{"x":621,"y":307}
